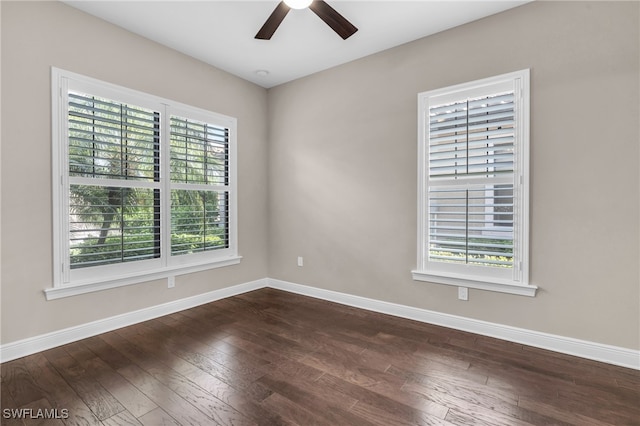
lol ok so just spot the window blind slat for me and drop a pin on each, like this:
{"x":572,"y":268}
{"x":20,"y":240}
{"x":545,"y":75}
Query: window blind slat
{"x":199,"y":152}
{"x":473,"y":181}
{"x":113,"y":209}
{"x":464,"y":125}
{"x":101,"y":233}
{"x":471,"y":226}
{"x":113,"y":140}
{"x":472,"y":138}
{"x":199,"y":221}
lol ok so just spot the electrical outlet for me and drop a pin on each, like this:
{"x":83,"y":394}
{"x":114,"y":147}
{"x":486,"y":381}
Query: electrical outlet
{"x":300,"y":261}
{"x":463,"y":293}
{"x":171,"y":281}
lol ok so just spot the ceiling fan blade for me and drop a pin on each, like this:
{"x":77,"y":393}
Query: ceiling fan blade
{"x":273,"y":22}
{"x":337,"y":22}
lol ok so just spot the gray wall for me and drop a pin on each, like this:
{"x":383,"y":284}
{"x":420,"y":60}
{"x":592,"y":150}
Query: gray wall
{"x":38,"y":35}
{"x":342,"y":171}
{"x":327,"y":165}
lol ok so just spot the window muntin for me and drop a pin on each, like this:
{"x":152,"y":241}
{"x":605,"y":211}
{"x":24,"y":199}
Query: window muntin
{"x":121,"y":204}
{"x":473,"y":214}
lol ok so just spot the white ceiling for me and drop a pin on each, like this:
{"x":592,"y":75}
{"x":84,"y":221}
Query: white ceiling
{"x":221,"y":33}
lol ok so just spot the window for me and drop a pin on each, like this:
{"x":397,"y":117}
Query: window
{"x":144,"y":187}
{"x":473,"y":185}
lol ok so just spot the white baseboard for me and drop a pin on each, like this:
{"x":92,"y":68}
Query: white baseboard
{"x":595,"y":351}
{"x":43,"y":342}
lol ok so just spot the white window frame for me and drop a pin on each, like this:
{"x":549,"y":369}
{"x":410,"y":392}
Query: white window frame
{"x":514,"y":280}
{"x":83,"y":280}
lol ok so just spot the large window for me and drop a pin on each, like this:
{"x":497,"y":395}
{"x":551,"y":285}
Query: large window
{"x":144,"y":187}
{"x":473,"y":185}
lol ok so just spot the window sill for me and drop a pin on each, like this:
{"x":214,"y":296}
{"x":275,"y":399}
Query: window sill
{"x":90,"y":286}
{"x":503,"y":287}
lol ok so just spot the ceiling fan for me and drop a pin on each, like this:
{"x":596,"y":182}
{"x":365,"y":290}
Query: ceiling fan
{"x":337,"y":22}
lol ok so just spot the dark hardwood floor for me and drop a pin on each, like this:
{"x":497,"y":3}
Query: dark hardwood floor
{"x":271,"y":358}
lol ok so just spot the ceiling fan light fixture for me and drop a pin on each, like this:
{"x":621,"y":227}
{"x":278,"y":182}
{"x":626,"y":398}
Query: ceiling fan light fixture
{"x":329,"y":15}
{"x":298,"y":4}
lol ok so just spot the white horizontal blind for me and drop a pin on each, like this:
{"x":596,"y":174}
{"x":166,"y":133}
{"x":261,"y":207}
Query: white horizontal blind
{"x":199,"y":158}
{"x":114,"y":198}
{"x":470,"y":170}
{"x":473,"y":146}
{"x":471,"y":225}
{"x":143,"y":187}
{"x":472,"y":137}
{"x":199,"y":152}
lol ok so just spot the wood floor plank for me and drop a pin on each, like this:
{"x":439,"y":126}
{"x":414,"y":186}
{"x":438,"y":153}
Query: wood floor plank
{"x":17,"y":381}
{"x":631,"y":385}
{"x":477,"y":410}
{"x":297,"y":370}
{"x":114,"y":358}
{"x":481,"y":417}
{"x":41,"y":412}
{"x":291,"y":412}
{"x":403,"y":406}
{"x":258,"y":348}
{"x":289,"y":380}
{"x":321,"y":404}
{"x":581,"y":368}
{"x":270,"y":358}
{"x":288,"y":348}
{"x":239,"y":362}
{"x":58,"y":392}
{"x":7,"y":403}
{"x":222,"y":372}
{"x":174,"y":405}
{"x":355,"y":368}
{"x":492,"y":398}
{"x":245,"y":401}
{"x":606,"y":398}
{"x":97,"y":398}
{"x":220,"y":412}
{"x":134,"y":401}
{"x":382,"y":417}
{"x":158,"y":417}
{"x":606,"y":411}
{"x":207,"y":403}
{"x":123,"y":418}
{"x":568,"y":416}
{"x":217,"y":387}
{"x":420,"y":369}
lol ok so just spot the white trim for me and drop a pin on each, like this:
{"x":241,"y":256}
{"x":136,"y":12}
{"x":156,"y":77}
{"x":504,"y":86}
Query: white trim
{"x":462,"y":281}
{"x":43,"y":342}
{"x":100,"y":283}
{"x":595,"y":351}
{"x":590,"y":350}
{"x":67,"y":281}
{"x":513,"y":280}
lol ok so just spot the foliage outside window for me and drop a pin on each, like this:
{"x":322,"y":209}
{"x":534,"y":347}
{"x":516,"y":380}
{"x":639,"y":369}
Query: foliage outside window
{"x":473,"y":185}
{"x":143,"y":187}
